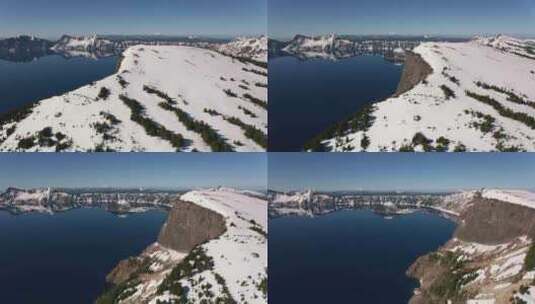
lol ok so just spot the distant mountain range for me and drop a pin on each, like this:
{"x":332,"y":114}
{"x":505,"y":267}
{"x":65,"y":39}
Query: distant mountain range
{"x":335,"y":47}
{"x":476,"y":95}
{"x":49,"y":200}
{"x":312,"y":203}
{"x":26,"y":48}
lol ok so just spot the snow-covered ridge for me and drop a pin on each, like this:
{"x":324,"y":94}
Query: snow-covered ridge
{"x":254,"y":48}
{"x":309,"y":203}
{"x":86,"y":44}
{"x":185,"y":98}
{"x":302,"y":44}
{"x":521,"y":47}
{"x":239,"y":256}
{"x":477,"y":98}
{"x":452,"y":204}
{"x":517,"y":197}
{"x":241,"y":252}
{"x":291,"y":197}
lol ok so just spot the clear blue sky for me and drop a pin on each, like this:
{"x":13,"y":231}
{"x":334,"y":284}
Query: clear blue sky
{"x":400,"y":171}
{"x":450,"y":17}
{"x":162,"y":170}
{"x":52,"y":18}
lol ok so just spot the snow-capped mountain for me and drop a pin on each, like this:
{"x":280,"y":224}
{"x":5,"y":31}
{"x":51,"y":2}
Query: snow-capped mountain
{"x":333,"y":47}
{"x":231,"y":267}
{"x":517,"y":197}
{"x":520,"y":47}
{"x":86,"y":44}
{"x":162,"y":98}
{"x":254,"y":48}
{"x":304,"y":44}
{"x":461,"y":96}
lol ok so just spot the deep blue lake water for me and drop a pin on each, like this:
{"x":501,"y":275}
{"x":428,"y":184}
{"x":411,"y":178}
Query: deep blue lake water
{"x":352,"y":256}
{"x":64,"y":258}
{"x":23,"y":83}
{"x":306,"y":97}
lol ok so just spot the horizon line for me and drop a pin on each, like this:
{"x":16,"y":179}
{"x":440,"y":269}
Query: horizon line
{"x":405,"y":190}
{"x":445,"y":35}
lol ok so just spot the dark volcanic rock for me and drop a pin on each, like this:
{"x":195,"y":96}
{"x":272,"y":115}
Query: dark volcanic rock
{"x":490,"y":221}
{"x":189,"y":225}
{"x":415,"y":70}
{"x":23,"y":48}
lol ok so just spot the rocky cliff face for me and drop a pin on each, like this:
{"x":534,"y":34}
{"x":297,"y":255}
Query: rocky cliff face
{"x":189,"y":225}
{"x":491,"y":222}
{"x":484,"y":262}
{"x":415,"y":71}
{"x":212,"y":249}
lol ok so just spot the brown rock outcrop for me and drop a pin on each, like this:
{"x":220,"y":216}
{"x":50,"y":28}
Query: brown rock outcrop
{"x":415,"y":70}
{"x":486,"y":221}
{"x":189,"y":225}
{"x":489,"y":221}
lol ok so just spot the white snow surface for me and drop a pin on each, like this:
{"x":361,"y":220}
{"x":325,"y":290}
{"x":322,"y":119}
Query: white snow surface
{"x":292,"y":197}
{"x":240,"y":254}
{"x":250,"y":47}
{"x":425,"y":108}
{"x":306,"y":44}
{"x":195,"y":78}
{"x":83,"y":43}
{"x":517,"y":197}
{"x":529,"y":297}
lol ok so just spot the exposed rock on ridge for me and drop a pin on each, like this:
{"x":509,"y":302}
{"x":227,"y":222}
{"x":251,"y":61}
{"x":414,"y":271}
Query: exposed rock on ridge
{"x":189,"y":225}
{"x":415,"y":71}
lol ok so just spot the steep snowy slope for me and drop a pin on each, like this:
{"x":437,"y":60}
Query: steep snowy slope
{"x":162,"y":98}
{"x":479,"y":96}
{"x":491,"y":257}
{"x":231,"y":268}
